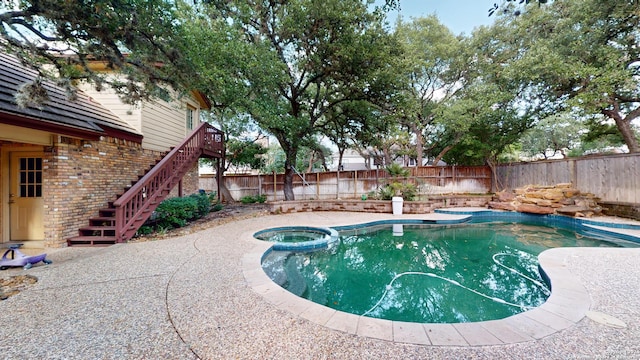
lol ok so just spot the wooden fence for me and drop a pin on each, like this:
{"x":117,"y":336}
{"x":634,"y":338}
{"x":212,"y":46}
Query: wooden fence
{"x":354,"y":184}
{"x":613,"y":178}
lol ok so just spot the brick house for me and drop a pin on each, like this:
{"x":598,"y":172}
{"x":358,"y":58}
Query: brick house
{"x":70,"y":169}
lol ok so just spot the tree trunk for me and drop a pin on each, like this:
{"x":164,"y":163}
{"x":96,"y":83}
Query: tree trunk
{"x":446,"y":149}
{"x":419,"y":143}
{"x":340,"y":156}
{"x":288,"y":183}
{"x":624,"y":126}
{"x":310,"y":164}
{"x":442,"y":154}
{"x":324,"y":163}
{"x":387,"y":157}
{"x":497,"y":185}
{"x":628,"y":135}
{"x":289,"y":174}
{"x":226,"y":194}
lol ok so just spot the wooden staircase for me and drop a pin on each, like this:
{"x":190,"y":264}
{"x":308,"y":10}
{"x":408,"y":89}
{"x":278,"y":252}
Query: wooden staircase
{"x":121,"y":219}
{"x":102,"y":228}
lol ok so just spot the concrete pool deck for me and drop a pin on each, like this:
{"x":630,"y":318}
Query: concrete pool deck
{"x":203,"y":296}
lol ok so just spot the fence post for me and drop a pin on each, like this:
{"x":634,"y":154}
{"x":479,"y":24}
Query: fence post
{"x":338,"y":184}
{"x":453,"y":177}
{"x":275,"y":187}
{"x":355,"y":184}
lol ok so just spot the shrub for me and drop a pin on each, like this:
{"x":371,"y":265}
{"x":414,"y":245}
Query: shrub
{"x":145,"y":230}
{"x":397,"y":184}
{"x":396,"y":170}
{"x":251,"y":199}
{"x":176,"y":212}
{"x":386,"y":192}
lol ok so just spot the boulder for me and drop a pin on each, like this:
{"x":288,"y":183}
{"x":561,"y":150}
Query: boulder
{"x":505,"y":196}
{"x":501,"y":206}
{"x":544,"y":202}
{"x":534,"y":209}
{"x":569,"y":193}
{"x":553,"y":194}
{"x":547,"y":199}
{"x":572,"y":210}
{"x":528,"y":200}
{"x":533,"y":194}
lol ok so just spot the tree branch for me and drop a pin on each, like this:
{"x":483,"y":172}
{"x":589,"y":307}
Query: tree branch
{"x":31,"y":28}
{"x":635,"y":113}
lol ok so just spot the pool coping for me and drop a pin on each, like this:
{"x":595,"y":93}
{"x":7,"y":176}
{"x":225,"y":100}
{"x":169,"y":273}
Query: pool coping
{"x":567,"y":305}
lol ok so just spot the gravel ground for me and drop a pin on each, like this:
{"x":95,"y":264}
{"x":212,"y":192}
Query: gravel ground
{"x":185,"y":297}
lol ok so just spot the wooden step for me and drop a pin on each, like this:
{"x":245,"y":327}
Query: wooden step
{"x":102,"y":221}
{"x":91,"y":241}
{"x":107,"y":212}
{"x":102,"y":228}
{"x":97,"y":231}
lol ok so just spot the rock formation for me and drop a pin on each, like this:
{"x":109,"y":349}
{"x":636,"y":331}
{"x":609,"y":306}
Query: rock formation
{"x":555,"y":199}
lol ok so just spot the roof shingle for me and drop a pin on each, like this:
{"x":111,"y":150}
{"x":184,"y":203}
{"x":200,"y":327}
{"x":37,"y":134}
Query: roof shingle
{"x":83,"y":113}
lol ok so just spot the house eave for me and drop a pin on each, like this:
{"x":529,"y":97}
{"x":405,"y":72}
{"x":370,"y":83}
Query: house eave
{"x":202,"y":99}
{"x":43,"y":125}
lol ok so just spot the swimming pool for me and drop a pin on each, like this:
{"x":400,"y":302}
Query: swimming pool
{"x":408,"y":271}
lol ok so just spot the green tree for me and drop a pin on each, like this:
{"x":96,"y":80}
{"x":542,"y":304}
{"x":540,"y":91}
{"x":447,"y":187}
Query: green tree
{"x":582,"y":55}
{"x":493,"y":123}
{"x":393,"y":145}
{"x":316,"y":156}
{"x":310,"y":159}
{"x":245,"y":153}
{"x":133,"y":36}
{"x":354,"y":125}
{"x":307,"y":57}
{"x":513,"y":7}
{"x":435,"y":71}
{"x":556,"y":134}
{"x":486,"y":115}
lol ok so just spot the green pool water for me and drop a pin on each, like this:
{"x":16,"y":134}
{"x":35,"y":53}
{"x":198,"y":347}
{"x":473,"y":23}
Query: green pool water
{"x":427,"y":273}
{"x":291,"y":235}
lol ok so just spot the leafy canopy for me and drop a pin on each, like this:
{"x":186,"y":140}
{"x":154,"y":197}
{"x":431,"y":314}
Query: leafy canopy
{"x":136,"y":37}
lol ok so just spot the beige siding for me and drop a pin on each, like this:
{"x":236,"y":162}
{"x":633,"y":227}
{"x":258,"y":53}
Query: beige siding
{"x":132,"y":114}
{"x":163,"y":125}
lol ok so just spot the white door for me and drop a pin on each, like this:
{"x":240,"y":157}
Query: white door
{"x":26,"y":205}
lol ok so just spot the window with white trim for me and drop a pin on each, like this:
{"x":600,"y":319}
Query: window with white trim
{"x":190,"y":115}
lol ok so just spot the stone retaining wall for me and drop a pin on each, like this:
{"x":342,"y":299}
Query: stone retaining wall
{"x":379,"y":206}
{"x":553,"y":199}
{"x":621,"y":209}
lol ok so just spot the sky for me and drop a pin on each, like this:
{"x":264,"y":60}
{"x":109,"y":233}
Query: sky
{"x":460,"y":16}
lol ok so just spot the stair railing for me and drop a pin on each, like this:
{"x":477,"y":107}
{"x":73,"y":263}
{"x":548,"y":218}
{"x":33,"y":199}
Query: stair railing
{"x":136,"y":205}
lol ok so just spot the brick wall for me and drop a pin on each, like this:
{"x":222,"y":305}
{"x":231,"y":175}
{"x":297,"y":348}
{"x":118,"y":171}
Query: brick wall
{"x":81,"y":177}
{"x":190,"y":183}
